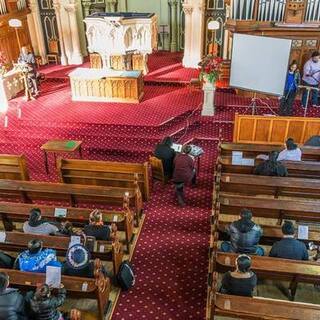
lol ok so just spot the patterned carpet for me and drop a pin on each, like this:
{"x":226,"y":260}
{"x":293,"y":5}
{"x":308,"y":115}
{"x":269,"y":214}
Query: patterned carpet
{"x":171,"y":257}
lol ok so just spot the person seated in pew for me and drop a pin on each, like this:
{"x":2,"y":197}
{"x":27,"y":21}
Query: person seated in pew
{"x":184,"y":173}
{"x":271,"y":167}
{"x":43,"y":305}
{"x":244,"y":235}
{"x":36,"y":259}
{"x":12,"y":303}
{"x":96,"y":228}
{"x":166,"y":154}
{"x":242,"y":281}
{"x":289,"y":247}
{"x":291,"y":152}
{"x":314,"y":141}
{"x":78,"y":263}
{"x":37,"y":225}
{"x":6,"y":261}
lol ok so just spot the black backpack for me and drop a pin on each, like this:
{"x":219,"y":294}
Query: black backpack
{"x":125,"y":276}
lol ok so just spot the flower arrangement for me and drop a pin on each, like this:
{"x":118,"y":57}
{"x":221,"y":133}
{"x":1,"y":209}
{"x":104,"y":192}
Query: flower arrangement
{"x":210,"y":68}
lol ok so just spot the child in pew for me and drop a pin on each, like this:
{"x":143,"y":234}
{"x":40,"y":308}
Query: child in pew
{"x":289,"y":247}
{"x":37,"y":225}
{"x":96,"y":228}
{"x":36,"y":259}
{"x":242,"y":281}
{"x":12,"y":304}
{"x":271,"y":167}
{"x":244,"y":235}
{"x":43,"y":305}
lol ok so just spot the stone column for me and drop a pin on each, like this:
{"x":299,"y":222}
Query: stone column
{"x":63,"y":57}
{"x":187,"y":33}
{"x":112,"y":5}
{"x":38,"y":36}
{"x":208,"y":99}
{"x":194,"y":33}
{"x":74,"y":31}
{"x":173,"y":44}
{"x":86,"y":7}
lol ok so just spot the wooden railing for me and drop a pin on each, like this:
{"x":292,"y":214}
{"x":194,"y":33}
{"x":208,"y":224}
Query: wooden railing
{"x":274,"y":10}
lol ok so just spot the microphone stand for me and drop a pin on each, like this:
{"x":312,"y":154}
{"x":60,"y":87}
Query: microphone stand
{"x":308,"y":95}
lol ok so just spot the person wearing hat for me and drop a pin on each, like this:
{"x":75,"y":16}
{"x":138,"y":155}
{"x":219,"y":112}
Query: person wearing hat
{"x":37,"y":225}
{"x":78,"y":262}
{"x":244,"y":235}
{"x":36,"y":259}
{"x":242,"y":281}
{"x":289,"y":247}
{"x":291,"y":152}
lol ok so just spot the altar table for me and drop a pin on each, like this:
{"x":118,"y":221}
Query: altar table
{"x":106,"y":85}
{"x":11,"y":83}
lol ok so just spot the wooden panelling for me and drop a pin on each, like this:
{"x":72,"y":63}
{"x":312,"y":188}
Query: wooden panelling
{"x":8,"y":40}
{"x":273,"y":130}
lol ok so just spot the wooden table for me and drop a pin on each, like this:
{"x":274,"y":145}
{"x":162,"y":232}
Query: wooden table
{"x":66,"y":146}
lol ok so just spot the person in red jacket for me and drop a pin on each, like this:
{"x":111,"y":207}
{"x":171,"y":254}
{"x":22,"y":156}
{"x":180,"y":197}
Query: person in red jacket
{"x":184,"y":172}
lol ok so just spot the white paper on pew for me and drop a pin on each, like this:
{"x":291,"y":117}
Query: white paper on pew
{"x":60,"y":212}
{"x":53,"y":276}
{"x":84,"y":286}
{"x":176,"y":147}
{"x":247,"y":162}
{"x":115,"y":218}
{"x":101,"y":248}
{"x":74,"y":240}
{"x":237,"y":157}
{"x":303,"y":232}
{"x":2,"y":236}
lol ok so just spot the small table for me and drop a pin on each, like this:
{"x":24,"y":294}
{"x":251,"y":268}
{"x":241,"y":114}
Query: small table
{"x":54,"y":146}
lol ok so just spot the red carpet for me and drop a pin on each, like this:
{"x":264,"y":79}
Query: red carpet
{"x":171,"y":257}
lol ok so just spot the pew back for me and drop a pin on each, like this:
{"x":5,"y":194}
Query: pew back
{"x":13,"y":167}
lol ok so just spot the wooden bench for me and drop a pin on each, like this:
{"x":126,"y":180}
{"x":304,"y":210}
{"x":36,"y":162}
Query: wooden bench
{"x":32,"y":191}
{"x":19,"y":212}
{"x":251,"y":150}
{"x":105,"y":173}
{"x":299,"y":169}
{"x":77,"y":287}
{"x":106,"y":250}
{"x":247,"y":184}
{"x":13,"y":167}
{"x":272,"y":268}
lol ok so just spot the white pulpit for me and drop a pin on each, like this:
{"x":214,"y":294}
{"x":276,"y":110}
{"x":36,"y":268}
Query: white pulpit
{"x":11,"y":83}
{"x":117,"y":34}
{"x":208,"y":99}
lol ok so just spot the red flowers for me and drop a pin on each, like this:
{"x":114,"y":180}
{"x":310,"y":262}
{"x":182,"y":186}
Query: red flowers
{"x":210,"y":68}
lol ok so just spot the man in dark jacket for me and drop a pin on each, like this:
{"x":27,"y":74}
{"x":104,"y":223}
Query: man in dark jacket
{"x":166,"y":154}
{"x":289,"y":247}
{"x":44,"y":305}
{"x":11,"y":301}
{"x":78,"y":262}
{"x":314,"y":141}
{"x":244,"y":235}
{"x":271,"y":167}
{"x":184,"y":172}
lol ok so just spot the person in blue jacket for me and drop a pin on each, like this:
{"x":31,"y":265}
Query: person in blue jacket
{"x":290,"y":91}
{"x":36,"y":259}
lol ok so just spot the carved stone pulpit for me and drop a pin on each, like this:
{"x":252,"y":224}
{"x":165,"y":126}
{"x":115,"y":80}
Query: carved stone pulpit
{"x":115,"y":36}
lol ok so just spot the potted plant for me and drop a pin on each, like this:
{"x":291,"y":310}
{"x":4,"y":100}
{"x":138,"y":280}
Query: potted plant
{"x":210,"y":69}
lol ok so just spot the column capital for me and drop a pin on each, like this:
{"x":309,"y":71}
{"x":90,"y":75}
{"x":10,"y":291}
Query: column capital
{"x":70,"y":8}
{"x":33,"y":5}
{"x":187,"y":9}
{"x":173,"y":2}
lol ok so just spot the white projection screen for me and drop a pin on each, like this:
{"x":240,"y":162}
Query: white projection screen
{"x":259,"y":63}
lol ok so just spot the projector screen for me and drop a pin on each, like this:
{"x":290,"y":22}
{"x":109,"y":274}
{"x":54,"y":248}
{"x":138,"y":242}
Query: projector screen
{"x":259,"y":63}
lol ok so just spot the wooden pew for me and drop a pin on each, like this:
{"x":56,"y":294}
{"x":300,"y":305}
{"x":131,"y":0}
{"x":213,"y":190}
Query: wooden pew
{"x":299,"y":169}
{"x":97,"y":288}
{"x":299,"y":210}
{"x":247,"y":184}
{"x":106,"y":250}
{"x":13,"y":167}
{"x":32,"y":191}
{"x":19,"y":212}
{"x":105,"y":173}
{"x":251,"y":150}
{"x":273,"y":268}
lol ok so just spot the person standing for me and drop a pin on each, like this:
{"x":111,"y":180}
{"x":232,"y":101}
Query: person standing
{"x":291,"y":89}
{"x":28,"y":59}
{"x":311,"y":78}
